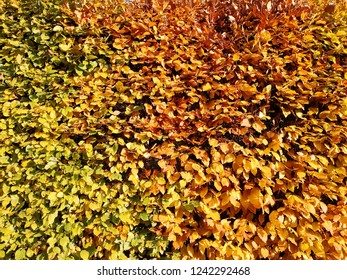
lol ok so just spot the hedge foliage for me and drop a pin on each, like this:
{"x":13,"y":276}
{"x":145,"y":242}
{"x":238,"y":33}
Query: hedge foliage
{"x":173,"y":129}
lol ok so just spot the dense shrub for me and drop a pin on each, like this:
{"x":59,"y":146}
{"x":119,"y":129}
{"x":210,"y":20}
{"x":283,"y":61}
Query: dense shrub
{"x":173,"y":129}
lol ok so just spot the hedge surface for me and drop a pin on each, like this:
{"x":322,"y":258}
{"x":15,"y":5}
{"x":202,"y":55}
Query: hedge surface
{"x":196,"y":129}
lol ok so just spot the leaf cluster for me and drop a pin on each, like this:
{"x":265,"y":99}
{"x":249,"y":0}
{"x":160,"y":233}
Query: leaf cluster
{"x":195,"y":129}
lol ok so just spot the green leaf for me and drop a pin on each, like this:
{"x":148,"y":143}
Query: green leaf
{"x":189,"y":207}
{"x":68,"y":227}
{"x":93,"y":64}
{"x":144,"y":216}
{"x":79,"y":72}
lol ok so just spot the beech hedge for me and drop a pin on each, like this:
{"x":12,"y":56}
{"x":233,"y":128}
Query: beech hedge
{"x":173,"y":129}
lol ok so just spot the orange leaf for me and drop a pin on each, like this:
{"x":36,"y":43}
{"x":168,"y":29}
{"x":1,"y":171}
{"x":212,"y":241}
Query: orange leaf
{"x":217,"y":185}
{"x":246,"y":123}
{"x":262,"y":234}
{"x":256,"y":198}
{"x":264,"y":252}
{"x":225,"y":182}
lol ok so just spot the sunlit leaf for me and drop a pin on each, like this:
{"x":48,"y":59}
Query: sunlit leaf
{"x":64,"y":47}
{"x":84,"y":255}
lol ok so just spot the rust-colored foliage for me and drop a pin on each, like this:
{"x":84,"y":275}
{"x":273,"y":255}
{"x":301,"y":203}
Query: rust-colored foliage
{"x":217,"y":128}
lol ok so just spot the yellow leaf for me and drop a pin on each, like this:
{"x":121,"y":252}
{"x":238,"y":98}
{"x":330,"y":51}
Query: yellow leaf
{"x":236,"y":56}
{"x":319,"y":175}
{"x":126,"y":69}
{"x":216,"y":77}
{"x":203,"y":244}
{"x":225,"y":199}
{"x":258,"y":126}
{"x":206,"y":87}
{"x":266,"y":171}
{"x":341,"y":33}
{"x":282,"y":233}
{"x":157,"y":81}
{"x":214,"y":215}
{"x":120,"y":87}
{"x":187,"y":176}
{"x":229,"y":158}
{"x":213,"y":142}
{"x":119,"y":43}
{"x":177,"y":229}
{"x":224,"y":148}
{"x":182,"y":183}
{"x":64,"y":47}
{"x":64,"y":241}
{"x":84,"y":255}
{"x":235,"y":197}
{"x":134,"y":179}
{"x":196,"y":167}
{"x":323,"y":160}
{"x":304,"y":246}
{"x":328,"y":225}
{"x":174,"y":177}
{"x":20,"y":254}
{"x":247,"y":165}
{"x":301,"y":174}
{"x":273,"y":216}
{"x":254,"y":166}
{"x":183,"y":39}
{"x":217,"y":167}
{"x":323,"y":207}
{"x":52,"y":114}
{"x":125,"y":217}
{"x":89,"y":150}
{"x":162,"y":164}
{"x":247,"y":88}
{"x":51,"y":218}
{"x":214,"y":203}
{"x":308,"y":38}
{"x":318,"y":249}
{"x":161,"y":181}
